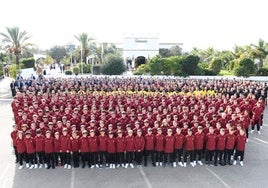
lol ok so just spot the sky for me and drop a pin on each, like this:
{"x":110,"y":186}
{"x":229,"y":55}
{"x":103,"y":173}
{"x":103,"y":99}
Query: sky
{"x":221,"y":24}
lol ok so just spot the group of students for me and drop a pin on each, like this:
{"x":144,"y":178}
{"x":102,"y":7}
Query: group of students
{"x":123,"y":148}
{"x":114,"y":122}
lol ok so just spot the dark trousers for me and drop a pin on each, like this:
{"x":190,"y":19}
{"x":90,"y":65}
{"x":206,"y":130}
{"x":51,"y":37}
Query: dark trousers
{"x":198,"y":154}
{"x":149,"y":153}
{"x":111,"y":158}
{"x":120,"y":158}
{"x":159,"y":155}
{"x":178,"y":154}
{"x":188,"y":152}
{"x":66,"y":158}
{"x":229,"y":153}
{"x":239,"y":153}
{"x":50,"y":160}
{"x":21,"y":156}
{"x":75,"y":157}
{"x":209,"y":155}
{"x":84,"y":158}
{"x":57,"y":157}
{"x":41,"y":157}
{"x":129,"y":156}
{"x":16,"y":153}
{"x":138,"y":157}
{"x":170,"y":156}
{"x":93,"y":158}
{"x":256,"y":122}
{"x":246,"y":130}
{"x":31,"y":158}
{"x":221,"y":155}
{"x":103,"y":157}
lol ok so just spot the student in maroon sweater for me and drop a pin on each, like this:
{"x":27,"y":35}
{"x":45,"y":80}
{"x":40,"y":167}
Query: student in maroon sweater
{"x":159,"y":147}
{"x":49,"y":150}
{"x":20,"y":148}
{"x":111,"y":150}
{"x":220,"y":147}
{"x":139,"y":147}
{"x":210,"y":145}
{"x":102,"y":147}
{"x":199,"y":144}
{"x":229,"y":145}
{"x":84,"y":148}
{"x":179,"y":142}
{"x":189,"y":148}
{"x":93,"y":149}
{"x":240,"y":147}
{"x":120,"y":149}
{"x":13,"y":136}
{"x":149,"y":147}
{"x":30,"y":151}
{"x":75,"y":149}
{"x":65,"y":148}
{"x":130,"y":148}
{"x":169,"y":149}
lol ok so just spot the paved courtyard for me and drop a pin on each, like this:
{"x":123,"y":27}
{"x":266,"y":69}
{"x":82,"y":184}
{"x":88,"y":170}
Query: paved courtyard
{"x":253,"y":174}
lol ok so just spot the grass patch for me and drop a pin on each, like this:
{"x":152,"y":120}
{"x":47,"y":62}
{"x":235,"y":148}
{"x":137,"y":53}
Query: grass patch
{"x":226,"y":73}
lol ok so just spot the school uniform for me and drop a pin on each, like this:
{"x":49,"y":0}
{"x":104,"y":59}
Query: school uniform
{"x":199,"y":145}
{"x":229,"y":147}
{"x":57,"y":154}
{"x":21,"y":148}
{"x":189,"y":148}
{"x":93,"y":150}
{"x":111,"y":150}
{"x":210,"y":147}
{"x":13,"y":136}
{"x":30,"y":151}
{"x":179,"y":142}
{"x":159,"y":147}
{"x":120,"y":150}
{"x":65,"y":149}
{"x":220,"y":149}
{"x":49,"y":152}
{"x":130,"y":148}
{"x":75,"y":151}
{"x":149,"y":148}
{"x":102,"y":149}
{"x":84,"y":149}
{"x":139,"y":147}
{"x":240,"y":147}
{"x":40,"y":150}
{"x":169,"y":149}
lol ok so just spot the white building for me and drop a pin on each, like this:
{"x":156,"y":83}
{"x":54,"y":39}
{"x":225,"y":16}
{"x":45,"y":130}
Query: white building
{"x":142,"y":47}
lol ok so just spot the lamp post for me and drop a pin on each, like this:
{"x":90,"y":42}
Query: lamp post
{"x":81,"y":59}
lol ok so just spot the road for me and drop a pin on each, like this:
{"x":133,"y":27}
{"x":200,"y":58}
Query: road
{"x":253,"y":174}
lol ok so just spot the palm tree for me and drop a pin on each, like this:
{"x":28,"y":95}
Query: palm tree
{"x":260,"y":52}
{"x":84,"y":40}
{"x":15,"y":41}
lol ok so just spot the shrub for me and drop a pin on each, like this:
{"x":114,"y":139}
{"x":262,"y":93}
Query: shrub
{"x":76,"y":70}
{"x":208,"y":72}
{"x":215,"y":65}
{"x":86,"y":68}
{"x":244,"y":67}
{"x":68,"y":72}
{"x":13,"y":71}
{"x":114,"y":65}
{"x":262,"y":72}
{"x":141,"y":70}
{"x":1,"y":69}
{"x":28,"y":62}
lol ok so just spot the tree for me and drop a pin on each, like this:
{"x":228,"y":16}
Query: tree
{"x":173,"y":51}
{"x":84,"y":41}
{"x":189,"y":64}
{"x":215,"y":65}
{"x":15,"y":41}
{"x":259,"y":52}
{"x":244,"y":67}
{"x":57,"y":53}
{"x":113,"y":65}
{"x":156,"y":65}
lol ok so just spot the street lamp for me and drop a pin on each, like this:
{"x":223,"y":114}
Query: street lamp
{"x":81,"y":59}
